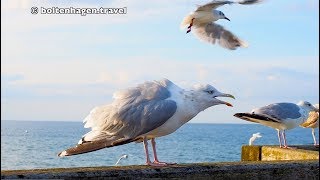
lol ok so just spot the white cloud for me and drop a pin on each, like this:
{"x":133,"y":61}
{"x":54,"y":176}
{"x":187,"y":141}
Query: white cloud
{"x":271,"y":77}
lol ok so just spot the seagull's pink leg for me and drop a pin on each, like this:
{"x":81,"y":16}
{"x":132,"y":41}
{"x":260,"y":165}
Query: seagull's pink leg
{"x":148,"y":162}
{"x":279,"y":137}
{"x":153,"y":142}
{"x":156,"y":160}
{"x":145,"y":143}
{"x":285,"y":141}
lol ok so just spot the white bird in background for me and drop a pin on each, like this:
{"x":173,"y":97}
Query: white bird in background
{"x":142,"y":113}
{"x":122,"y":157}
{"x":201,"y":21}
{"x":312,"y":122}
{"x":280,"y":116}
{"x":254,"y":137}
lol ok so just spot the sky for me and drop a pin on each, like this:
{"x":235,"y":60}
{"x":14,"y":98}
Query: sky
{"x":57,"y":67}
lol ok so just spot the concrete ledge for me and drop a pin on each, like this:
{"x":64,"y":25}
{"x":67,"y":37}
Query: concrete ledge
{"x":271,"y":153}
{"x":231,"y":170}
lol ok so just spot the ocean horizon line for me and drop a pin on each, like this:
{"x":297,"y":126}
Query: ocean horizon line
{"x":75,"y":121}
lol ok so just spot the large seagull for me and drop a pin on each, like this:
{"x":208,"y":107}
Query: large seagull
{"x":145,"y":112}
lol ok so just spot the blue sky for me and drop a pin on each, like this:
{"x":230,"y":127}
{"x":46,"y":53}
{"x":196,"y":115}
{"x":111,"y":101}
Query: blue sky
{"x":58,"y":67}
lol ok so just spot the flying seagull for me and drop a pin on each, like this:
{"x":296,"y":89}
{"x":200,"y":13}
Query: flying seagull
{"x":145,"y":112}
{"x":312,"y":122}
{"x":201,"y":21}
{"x":280,"y":116}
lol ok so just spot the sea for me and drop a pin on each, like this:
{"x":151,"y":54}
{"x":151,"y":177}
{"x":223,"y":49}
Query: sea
{"x":35,"y":144}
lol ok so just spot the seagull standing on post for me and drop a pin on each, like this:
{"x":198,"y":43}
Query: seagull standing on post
{"x":202,"y":23}
{"x":280,"y":116}
{"x":142,"y":113}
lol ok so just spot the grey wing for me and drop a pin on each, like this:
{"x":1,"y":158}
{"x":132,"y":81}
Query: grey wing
{"x":134,"y":112}
{"x":215,"y":4}
{"x":257,"y":118}
{"x":280,"y":111}
{"x":140,"y":118}
{"x":212,"y":32}
{"x":248,"y":2}
{"x":212,"y":5}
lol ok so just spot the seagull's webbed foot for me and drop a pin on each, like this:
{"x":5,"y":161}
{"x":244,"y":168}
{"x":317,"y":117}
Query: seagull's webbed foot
{"x":189,"y":27}
{"x":316,"y":145}
{"x":287,"y":147}
{"x":156,"y":164}
{"x":159,"y":164}
{"x":165,"y":163}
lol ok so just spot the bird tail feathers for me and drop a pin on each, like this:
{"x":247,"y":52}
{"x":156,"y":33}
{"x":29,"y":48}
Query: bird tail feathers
{"x":243,"y":44}
{"x":256,"y":118}
{"x":89,"y":146}
{"x":186,"y":21}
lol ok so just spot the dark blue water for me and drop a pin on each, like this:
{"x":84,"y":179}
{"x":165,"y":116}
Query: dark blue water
{"x":28,"y":145}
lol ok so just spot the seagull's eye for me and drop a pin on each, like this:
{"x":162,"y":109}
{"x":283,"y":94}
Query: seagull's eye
{"x":210,"y":92}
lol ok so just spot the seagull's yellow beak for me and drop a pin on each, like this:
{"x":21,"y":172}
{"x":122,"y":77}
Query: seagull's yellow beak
{"x":227,"y":95}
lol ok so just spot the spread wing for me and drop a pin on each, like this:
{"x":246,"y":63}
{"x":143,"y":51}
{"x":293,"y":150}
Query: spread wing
{"x":213,"y":33}
{"x":215,"y":4}
{"x":212,"y":5}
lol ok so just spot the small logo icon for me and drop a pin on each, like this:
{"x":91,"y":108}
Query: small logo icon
{"x":34,"y":10}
